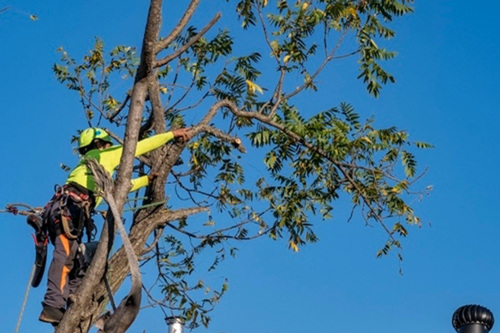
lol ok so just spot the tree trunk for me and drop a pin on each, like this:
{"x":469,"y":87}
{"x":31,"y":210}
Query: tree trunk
{"x":86,"y":304}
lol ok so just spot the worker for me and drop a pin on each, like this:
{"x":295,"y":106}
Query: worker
{"x":68,"y":212}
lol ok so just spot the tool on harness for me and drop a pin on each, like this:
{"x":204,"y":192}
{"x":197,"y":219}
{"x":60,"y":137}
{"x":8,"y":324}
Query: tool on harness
{"x":87,"y":250}
{"x":41,"y":239}
{"x":12,"y":209}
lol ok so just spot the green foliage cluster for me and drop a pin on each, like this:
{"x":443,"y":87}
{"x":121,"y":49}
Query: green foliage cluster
{"x":296,"y":22}
{"x":91,"y":78}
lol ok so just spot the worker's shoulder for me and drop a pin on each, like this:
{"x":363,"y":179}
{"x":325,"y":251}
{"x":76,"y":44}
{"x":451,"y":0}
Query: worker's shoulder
{"x":100,"y":154}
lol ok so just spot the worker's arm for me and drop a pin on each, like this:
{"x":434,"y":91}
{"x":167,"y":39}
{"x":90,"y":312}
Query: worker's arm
{"x":98,"y":200}
{"x":152,"y":143}
{"x":158,"y":140}
{"x":137,"y":183}
{"x":110,"y":157}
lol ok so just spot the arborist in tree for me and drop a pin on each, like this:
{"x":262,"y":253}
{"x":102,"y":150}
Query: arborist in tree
{"x":68,"y":213}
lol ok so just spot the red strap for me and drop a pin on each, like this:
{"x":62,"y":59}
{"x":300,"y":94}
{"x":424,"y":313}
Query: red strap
{"x":81,"y":196}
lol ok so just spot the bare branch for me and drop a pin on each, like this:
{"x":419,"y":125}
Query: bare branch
{"x":350,"y":54}
{"x":191,"y":106}
{"x":174,"y":81}
{"x":172,"y":215}
{"x":190,"y":192}
{"x":164,"y":43}
{"x":213,"y":110}
{"x":186,"y":46}
{"x":234,"y":141}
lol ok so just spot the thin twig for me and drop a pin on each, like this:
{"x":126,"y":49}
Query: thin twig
{"x":122,"y":106}
{"x":159,"y":233}
{"x":320,"y":67}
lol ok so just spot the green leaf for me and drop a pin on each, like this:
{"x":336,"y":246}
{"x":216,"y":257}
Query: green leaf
{"x":409,"y":163}
{"x":423,"y":145}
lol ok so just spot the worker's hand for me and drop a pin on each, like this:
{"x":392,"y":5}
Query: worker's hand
{"x":152,"y":176}
{"x":182,"y":133}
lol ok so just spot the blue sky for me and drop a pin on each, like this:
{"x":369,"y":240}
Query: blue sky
{"x":446,"y":93}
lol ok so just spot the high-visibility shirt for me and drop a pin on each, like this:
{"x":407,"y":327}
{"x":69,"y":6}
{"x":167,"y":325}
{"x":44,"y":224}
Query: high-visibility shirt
{"x":110,"y":157}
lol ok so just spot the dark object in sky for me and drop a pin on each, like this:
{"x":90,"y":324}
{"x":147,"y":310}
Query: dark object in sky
{"x":473,"y":319}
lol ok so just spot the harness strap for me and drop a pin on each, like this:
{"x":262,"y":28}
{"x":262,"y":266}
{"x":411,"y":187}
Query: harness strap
{"x":66,"y":228}
{"x":84,"y":217}
{"x":79,"y":196}
{"x":88,"y":222}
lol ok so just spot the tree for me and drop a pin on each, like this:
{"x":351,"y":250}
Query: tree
{"x":311,"y":159}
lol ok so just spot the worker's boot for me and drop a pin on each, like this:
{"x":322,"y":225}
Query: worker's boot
{"x":51,"y":315}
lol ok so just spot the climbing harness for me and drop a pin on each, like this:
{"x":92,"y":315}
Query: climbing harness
{"x":55,"y":218}
{"x":70,"y":200}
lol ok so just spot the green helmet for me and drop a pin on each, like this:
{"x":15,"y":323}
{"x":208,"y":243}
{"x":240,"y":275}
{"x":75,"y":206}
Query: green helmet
{"x":90,"y":134}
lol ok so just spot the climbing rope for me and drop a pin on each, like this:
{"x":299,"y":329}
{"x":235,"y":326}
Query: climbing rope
{"x":25,"y":299}
{"x":25,"y":209}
